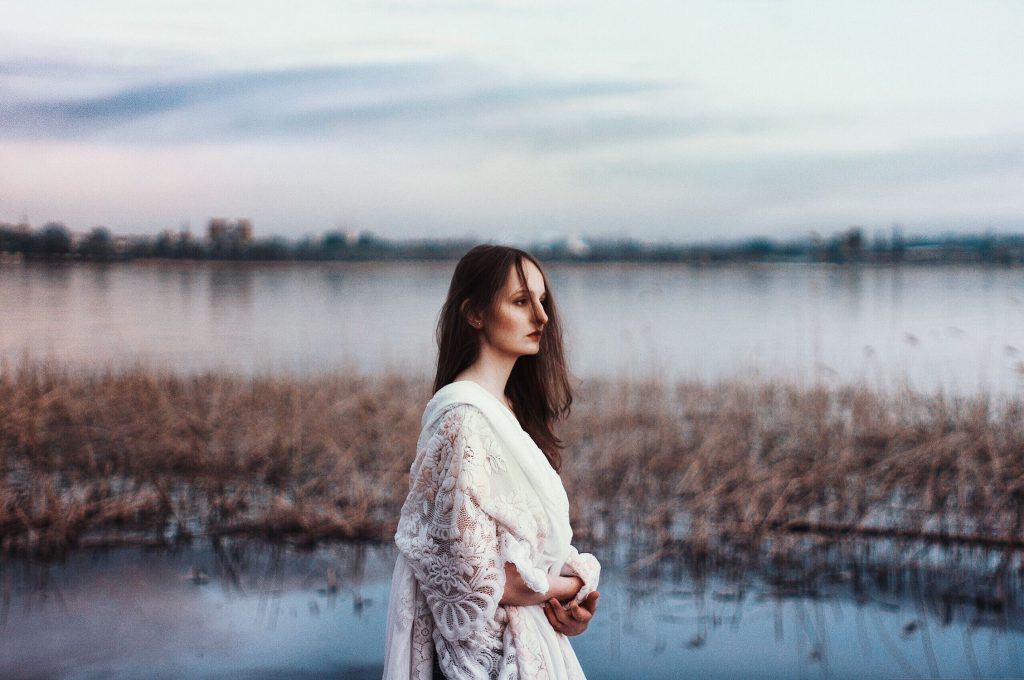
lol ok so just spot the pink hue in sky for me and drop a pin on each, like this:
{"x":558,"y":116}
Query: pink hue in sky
{"x":683,"y":121}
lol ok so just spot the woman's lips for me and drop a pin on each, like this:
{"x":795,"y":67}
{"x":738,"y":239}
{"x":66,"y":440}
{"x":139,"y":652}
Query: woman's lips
{"x":534,"y":335}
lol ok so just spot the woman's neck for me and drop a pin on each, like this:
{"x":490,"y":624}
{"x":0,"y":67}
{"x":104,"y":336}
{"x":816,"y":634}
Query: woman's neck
{"x":491,"y":372}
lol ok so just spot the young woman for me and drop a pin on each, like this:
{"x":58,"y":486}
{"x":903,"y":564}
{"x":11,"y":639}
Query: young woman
{"x":487,"y":585}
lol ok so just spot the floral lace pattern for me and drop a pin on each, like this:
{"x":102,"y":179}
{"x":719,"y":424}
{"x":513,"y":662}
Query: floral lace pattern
{"x":471,"y":510}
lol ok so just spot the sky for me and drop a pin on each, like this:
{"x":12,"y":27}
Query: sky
{"x":508,"y":120}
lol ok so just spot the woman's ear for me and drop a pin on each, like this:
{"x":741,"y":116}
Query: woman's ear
{"x":474,"y":319}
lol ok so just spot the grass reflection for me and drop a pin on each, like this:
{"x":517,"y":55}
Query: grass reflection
{"x":825,"y":608}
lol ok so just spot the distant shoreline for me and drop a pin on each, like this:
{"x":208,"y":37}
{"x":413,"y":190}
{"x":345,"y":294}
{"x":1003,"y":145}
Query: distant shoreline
{"x":9,"y":260}
{"x":235,"y":243}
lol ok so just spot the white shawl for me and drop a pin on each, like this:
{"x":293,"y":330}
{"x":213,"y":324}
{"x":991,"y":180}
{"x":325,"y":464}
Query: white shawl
{"x":481,"y":494}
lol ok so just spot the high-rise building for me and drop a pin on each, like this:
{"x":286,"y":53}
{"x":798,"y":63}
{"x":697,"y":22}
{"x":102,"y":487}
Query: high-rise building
{"x":226,"y":231}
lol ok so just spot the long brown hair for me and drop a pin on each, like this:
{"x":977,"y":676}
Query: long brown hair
{"x":538,"y":386}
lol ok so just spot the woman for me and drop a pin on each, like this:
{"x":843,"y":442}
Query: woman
{"x":487,"y":584}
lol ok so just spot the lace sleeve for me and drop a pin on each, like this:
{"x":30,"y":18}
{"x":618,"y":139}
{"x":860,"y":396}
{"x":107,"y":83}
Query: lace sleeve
{"x":456,"y":547}
{"x":586,"y":567}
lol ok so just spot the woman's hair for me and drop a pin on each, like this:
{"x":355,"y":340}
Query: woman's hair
{"x":538,"y":386}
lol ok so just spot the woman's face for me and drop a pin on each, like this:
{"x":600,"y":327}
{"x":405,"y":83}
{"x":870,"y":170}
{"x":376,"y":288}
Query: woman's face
{"x":515,"y":323}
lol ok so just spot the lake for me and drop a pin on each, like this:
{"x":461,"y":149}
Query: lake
{"x":956,"y":328}
{"x":246,"y":609}
{"x":238,"y":609}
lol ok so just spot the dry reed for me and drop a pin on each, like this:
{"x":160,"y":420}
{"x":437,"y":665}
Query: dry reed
{"x":143,"y":455}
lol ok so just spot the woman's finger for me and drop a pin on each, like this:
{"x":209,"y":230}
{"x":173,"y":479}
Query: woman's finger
{"x":579,"y":613}
{"x":590,"y":602}
{"x":559,"y":626}
{"x":551,"y":617}
{"x":556,"y":609}
{"x":585,"y":615}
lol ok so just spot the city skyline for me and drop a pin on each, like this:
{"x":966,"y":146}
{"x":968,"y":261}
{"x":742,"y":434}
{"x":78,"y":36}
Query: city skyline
{"x":515,"y":120}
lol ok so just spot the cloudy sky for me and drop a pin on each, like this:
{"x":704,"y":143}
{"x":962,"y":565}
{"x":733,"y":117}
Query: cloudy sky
{"x":510,"y":119}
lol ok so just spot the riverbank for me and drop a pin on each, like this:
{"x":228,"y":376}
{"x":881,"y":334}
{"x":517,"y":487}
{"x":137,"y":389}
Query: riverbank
{"x":142,"y":456}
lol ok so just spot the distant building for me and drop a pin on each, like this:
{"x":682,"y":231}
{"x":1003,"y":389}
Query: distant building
{"x":244,"y":228}
{"x":217,"y":230}
{"x":22,"y":228}
{"x":235,"y":232}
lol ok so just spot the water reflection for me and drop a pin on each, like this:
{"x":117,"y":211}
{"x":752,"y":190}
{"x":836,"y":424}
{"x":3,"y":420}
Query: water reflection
{"x":842,"y":609}
{"x":101,"y":274}
{"x":796,"y":322}
{"x":235,"y":608}
{"x":334,"y":280}
{"x":231,"y":287}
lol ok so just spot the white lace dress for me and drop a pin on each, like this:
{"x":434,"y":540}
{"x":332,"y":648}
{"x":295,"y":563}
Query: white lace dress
{"x":481,"y":494}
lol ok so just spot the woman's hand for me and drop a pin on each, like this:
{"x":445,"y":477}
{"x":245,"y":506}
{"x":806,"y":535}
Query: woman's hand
{"x":518,"y":594}
{"x":574,"y":618}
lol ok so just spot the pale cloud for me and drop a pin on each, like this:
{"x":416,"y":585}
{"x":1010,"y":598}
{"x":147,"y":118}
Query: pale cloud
{"x":667,"y":120}
{"x":449,"y":100}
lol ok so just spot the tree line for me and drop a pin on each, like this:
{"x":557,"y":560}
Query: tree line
{"x":54,"y":241}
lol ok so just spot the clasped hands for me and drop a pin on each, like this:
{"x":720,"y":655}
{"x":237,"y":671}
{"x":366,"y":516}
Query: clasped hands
{"x":568,"y":619}
{"x":573,"y":618}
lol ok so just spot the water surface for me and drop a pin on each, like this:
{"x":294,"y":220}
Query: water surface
{"x":251,"y":610}
{"x":958,"y":328}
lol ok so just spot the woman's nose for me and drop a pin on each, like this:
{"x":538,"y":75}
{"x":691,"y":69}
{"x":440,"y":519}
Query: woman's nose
{"x":541,"y":315}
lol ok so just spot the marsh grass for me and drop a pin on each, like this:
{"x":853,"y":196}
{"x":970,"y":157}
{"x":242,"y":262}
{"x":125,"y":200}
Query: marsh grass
{"x":141,"y":455}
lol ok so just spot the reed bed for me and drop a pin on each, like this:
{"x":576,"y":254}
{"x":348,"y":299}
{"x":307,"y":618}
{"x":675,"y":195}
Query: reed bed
{"x":134,"y":455}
